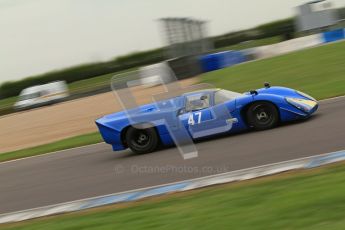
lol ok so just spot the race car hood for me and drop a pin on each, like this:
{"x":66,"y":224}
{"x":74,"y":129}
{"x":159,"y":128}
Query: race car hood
{"x":281,"y":91}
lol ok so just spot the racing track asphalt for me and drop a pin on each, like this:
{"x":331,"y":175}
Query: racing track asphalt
{"x":96,"y":170}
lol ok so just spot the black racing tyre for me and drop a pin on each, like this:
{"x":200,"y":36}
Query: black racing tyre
{"x":142,"y":140}
{"x":262,"y":115}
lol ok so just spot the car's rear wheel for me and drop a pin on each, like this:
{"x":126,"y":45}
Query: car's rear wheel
{"x":262,"y":115}
{"x":142,"y":140}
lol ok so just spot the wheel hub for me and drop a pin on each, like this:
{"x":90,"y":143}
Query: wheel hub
{"x":262,"y":116}
{"x":142,"y":138}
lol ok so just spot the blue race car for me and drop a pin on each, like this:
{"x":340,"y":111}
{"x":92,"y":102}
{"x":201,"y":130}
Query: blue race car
{"x":202,"y":114}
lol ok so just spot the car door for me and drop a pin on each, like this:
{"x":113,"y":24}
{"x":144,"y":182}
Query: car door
{"x":207,"y":120}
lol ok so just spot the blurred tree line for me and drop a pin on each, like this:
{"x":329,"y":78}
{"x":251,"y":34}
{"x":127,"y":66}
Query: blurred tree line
{"x":284,"y":28}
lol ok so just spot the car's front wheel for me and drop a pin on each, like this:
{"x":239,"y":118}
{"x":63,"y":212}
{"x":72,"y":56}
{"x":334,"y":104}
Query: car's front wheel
{"x":142,"y":140}
{"x":262,"y":115}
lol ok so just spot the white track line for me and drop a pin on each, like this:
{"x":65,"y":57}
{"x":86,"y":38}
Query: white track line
{"x":45,"y":154}
{"x":332,"y":98}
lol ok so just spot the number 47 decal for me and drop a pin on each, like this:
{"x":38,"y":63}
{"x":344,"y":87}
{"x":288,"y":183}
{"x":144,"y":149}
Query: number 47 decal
{"x":191,"y":118}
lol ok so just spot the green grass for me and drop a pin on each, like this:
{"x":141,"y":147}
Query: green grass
{"x":319,"y":72}
{"x":7,"y":102}
{"x":6,"y":105}
{"x":91,"y":84}
{"x":253,"y":43}
{"x":72,"y":142}
{"x":312,"y":199}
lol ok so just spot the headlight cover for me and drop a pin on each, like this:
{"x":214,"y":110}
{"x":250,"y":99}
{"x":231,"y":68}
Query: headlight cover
{"x":305,"y":95}
{"x":302,"y":104}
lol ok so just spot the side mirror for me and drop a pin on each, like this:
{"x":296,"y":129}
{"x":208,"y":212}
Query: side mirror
{"x":181,"y":111}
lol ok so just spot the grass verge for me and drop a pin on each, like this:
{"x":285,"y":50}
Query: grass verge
{"x":91,"y":84}
{"x":319,"y":72}
{"x":72,"y":142}
{"x":311,"y":199}
{"x":253,"y":43}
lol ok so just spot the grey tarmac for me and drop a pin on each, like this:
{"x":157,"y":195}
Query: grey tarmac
{"x":96,"y":170}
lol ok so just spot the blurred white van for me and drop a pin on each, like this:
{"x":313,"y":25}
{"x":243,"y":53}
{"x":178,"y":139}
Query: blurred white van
{"x":40,"y":95}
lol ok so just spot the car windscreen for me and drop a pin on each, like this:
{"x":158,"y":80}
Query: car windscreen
{"x":197,"y":101}
{"x":29,"y":96}
{"x":222,"y":96}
